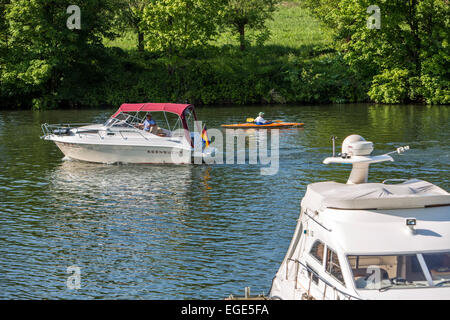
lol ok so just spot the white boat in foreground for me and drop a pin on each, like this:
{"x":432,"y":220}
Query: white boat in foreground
{"x":365,"y":240}
{"x":122,"y":140}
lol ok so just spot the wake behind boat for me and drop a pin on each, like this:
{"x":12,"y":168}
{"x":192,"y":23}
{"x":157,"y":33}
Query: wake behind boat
{"x":122,"y":138}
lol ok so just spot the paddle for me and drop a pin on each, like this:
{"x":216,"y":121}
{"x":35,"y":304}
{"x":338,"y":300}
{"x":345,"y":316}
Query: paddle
{"x":252,"y":120}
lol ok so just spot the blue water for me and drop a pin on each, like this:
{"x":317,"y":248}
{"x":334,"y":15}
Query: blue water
{"x":182,"y":232}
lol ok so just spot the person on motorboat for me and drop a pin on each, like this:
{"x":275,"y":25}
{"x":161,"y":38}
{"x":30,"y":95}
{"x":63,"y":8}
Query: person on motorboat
{"x":149,"y":124}
{"x":260,"y":120}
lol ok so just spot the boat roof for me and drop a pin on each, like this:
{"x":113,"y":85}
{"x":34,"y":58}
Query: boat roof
{"x":412,"y":193}
{"x":149,"y":107}
{"x":380,"y":232}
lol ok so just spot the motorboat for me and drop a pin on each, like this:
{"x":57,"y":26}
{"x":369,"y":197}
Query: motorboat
{"x":121,"y":139}
{"x":368,"y":240}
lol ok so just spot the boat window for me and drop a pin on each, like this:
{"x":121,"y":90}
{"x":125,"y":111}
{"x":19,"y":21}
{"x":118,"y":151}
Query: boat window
{"x":333,"y":267}
{"x":439,"y":266}
{"x":317,"y":251}
{"x":388,"y":271}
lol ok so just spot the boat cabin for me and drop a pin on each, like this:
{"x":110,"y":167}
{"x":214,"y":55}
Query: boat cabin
{"x":369,"y":241}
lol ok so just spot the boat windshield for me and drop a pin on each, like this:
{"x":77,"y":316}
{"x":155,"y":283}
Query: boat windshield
{"x":136,"y":120}
{"x":384,"y":272}
{"x":124,"y":120}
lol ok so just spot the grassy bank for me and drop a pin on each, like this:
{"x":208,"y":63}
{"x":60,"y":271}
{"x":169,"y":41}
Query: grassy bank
{"x":291,"y":27}
{"x":295,"y":65}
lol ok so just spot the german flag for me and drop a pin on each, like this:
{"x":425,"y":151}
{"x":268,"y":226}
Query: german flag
{"x":205,"y":137}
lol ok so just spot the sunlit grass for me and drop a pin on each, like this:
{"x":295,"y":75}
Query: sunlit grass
{"x":127,"y":41}
{"x":292,"y":27}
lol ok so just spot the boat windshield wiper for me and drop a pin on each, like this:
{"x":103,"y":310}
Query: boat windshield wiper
{"x":385,"y":288}
{"x":441,"y":283}
{"x":397,"y":284}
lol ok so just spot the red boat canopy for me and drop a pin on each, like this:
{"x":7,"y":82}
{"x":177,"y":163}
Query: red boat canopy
{"x":175,"y":108}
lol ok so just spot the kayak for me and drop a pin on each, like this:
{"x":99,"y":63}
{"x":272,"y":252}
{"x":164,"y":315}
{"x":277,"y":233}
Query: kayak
{"x":273,"y":125}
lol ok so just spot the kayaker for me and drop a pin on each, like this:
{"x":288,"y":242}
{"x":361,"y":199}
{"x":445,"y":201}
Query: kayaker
{"x":260,"y":120}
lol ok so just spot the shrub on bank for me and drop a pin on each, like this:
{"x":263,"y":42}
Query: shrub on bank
{"x":225,"y":76}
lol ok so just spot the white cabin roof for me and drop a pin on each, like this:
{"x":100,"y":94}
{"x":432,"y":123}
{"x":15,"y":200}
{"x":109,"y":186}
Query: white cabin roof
{"x":385,"y":231}
{"x":374,"y":196}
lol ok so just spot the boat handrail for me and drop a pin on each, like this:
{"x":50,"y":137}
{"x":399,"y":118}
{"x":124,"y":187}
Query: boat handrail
{"x":320,"y":224}
{"x":68,"y":125}
{"x":49,"y":129}
{"x":347,"y":295}
{"x":394,"y":180}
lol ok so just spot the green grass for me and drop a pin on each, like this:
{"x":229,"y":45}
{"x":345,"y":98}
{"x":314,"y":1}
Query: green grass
{"x":127,"y":41}
{"x":296,"y":64}
{"x":292,"y":27}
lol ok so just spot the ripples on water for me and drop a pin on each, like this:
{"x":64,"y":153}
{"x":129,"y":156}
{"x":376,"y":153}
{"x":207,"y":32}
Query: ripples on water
{"x":177,"y":232}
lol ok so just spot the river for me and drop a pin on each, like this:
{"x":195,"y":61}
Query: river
{"x":182,"y":232}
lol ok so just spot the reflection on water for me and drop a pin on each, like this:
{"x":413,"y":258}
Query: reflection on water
{"x":127,"y":187}
{"x":176,"y":232}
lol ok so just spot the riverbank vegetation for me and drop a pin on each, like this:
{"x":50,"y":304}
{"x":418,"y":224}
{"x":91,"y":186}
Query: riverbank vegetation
{"x":222,"y":51}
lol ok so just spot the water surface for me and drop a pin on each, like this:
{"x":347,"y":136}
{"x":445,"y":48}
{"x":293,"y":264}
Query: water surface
{"x":182,"y":232}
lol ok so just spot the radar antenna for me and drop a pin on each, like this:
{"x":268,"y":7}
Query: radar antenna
{"x":357,"y":151}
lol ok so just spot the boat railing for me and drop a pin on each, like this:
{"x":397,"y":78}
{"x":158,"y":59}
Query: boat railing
{"x":63,"y":129}
{"x":60,"y":129}
{"x":318,"y":276}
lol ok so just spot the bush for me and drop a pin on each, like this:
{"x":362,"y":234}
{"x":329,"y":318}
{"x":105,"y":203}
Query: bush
{"x":391,"y":86}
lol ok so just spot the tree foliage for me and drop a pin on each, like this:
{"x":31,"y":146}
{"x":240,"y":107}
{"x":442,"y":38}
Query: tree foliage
{"x":43,"y":53}
{"x":175,"y":25}
{"x":241,"y":15}
{"x":3,"y":23}
{"x":130,"y":15}
{"x":407,"y":59}
{"x":43,"y":63}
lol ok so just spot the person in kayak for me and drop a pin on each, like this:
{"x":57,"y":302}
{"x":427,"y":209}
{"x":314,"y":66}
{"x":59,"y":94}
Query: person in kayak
{"x":260,"y":120}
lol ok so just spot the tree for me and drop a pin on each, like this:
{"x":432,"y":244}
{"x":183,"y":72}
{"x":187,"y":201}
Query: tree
{"x":3,"y":24}
{"x":131,"y":16}
{"x":175,"y":25}
{"x":248,"y":14}
{"x":43,"y":53}
{"x":406,"y":59}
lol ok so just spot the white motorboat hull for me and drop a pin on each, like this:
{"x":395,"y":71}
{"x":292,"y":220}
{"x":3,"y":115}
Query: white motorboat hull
{"x":124,"y":153}
{"x":124,"y":144}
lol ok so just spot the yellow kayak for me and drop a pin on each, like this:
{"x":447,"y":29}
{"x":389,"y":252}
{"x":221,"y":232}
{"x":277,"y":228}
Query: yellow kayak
{"x":273,"y":125}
